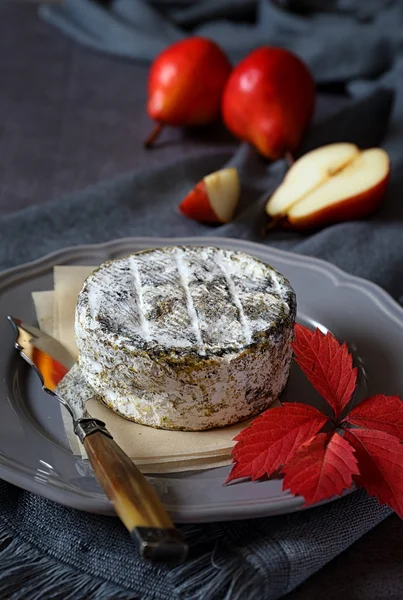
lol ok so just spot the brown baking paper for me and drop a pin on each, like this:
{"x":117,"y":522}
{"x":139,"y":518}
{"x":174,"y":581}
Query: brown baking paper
{"x":153,"y":450}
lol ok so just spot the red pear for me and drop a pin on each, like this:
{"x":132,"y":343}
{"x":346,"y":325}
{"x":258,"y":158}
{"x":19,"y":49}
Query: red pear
{"x":269,"y":100}
{"x":185,"y":84}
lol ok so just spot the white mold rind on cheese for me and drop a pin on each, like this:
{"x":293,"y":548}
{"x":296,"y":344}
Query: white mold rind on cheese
{"x":186,"y":337}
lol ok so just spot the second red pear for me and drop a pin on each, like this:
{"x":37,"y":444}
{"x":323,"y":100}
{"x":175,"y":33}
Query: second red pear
{"x":269,"y":100}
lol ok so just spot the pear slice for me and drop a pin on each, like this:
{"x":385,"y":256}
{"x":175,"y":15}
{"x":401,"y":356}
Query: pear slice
{"x":351,"y":193}
{"x":214,"y":199}
{"x":308,"y":173}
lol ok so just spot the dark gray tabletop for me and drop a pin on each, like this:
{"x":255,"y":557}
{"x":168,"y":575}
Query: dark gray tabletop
{"x":70,"y":117}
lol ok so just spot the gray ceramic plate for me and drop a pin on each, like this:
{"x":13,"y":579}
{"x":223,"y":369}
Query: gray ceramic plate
{"x":34,"y":453}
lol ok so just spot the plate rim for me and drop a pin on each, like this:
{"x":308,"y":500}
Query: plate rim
{"x":12,"y":275}
{"x":317,"y":264}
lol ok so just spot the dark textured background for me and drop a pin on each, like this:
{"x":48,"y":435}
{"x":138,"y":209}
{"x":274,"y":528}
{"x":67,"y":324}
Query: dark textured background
{"x":70,"y":117}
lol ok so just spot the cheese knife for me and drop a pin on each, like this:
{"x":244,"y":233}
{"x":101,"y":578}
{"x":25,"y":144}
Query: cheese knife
{"x":134,"y":499}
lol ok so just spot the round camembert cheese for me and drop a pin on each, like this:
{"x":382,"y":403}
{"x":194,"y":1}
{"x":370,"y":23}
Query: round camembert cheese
{"x":186,"y":338}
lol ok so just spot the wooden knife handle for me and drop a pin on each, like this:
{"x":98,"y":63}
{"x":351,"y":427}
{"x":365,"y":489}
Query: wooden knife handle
{"x":135,"y":501}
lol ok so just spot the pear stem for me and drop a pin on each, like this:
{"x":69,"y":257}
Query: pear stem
{"x":289,"y":158}
{"x":273,"y":223}
{"x":150,"y":139}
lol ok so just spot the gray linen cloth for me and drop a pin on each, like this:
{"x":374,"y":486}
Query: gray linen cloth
{"x":348,"y":43}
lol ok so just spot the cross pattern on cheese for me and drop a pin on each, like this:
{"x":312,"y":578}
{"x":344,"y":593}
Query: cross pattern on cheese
{"x":170,"y":337}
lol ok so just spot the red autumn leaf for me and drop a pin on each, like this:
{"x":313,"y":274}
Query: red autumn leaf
{"x":384,"y":413}
{"x":380,"y":460}
{"x":272,"y":439}
{"x":322,"y":468}
{"x":327,"y":364}
{"x":316,"y":465}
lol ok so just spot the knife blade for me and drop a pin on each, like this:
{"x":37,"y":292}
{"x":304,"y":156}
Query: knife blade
{"x":134,"y":499}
